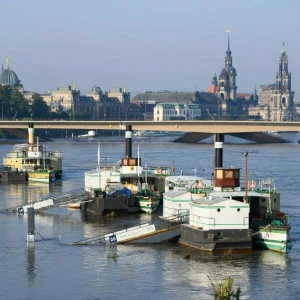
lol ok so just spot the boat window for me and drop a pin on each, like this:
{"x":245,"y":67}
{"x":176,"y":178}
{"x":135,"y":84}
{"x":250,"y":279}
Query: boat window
{"x":218,"y":210}
{"x":219,"y":174}
{"x":238,"y":209}
{"x":228,"y":174}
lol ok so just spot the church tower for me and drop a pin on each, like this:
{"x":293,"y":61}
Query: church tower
{"x":227,"y":78}
{"x":283,"y":97}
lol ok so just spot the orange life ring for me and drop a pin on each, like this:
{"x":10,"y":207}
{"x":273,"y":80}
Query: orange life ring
{"x":199,"y":184}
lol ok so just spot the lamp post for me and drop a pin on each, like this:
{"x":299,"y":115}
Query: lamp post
{"x":2,"y":110}
{"x":70,"y":117}
{"x":31,"y":116}
{"x":195,"y":171}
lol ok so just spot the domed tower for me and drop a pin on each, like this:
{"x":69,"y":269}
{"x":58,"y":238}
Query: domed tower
{"x":227,"y":78}
{"x":214,"y":88}
{"x":9,"y":77}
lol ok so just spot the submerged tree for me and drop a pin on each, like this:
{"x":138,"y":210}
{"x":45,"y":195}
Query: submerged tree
{"x":223,"y":290}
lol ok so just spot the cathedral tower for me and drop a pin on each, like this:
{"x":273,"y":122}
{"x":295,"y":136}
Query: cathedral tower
{"x":227,"y":78}
{"x":283,"y":97}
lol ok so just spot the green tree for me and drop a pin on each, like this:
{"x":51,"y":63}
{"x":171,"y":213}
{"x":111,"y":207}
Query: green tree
{"x":13,"y":103}
{"x":5,"y":93}
{"x":18,"y":105}
{"x":39,"y":108}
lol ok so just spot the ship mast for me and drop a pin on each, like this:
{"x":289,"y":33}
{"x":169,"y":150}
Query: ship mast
{"x":246,"y":178}
{"x":138,"y":170}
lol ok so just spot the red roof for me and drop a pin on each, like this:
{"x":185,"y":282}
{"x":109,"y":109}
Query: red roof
{"x":243,"y":95}
{"x":213,"y":89}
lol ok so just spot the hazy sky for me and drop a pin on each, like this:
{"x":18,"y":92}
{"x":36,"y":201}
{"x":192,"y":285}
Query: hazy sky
{"x":147,"y":45}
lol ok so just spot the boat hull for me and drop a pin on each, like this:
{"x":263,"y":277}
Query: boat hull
{"x":215,"y":240}
{"x":276,"y":239}
{"x":105,"y":205}
{"x":147,"y":205}
{"x":41,"y":176}
{"x":12,"y":176}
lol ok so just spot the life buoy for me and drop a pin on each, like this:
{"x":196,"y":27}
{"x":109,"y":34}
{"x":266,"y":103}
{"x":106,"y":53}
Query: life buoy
{"x":199,"y":184}
{"x":158,"y":170}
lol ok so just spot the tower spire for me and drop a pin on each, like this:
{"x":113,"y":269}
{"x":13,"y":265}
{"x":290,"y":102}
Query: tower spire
{"x":283,"y":50}
{"x":228,"y":33}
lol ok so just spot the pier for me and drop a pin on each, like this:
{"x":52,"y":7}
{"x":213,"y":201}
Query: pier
{"x":75,"y":196}
{"x":160,"y":230}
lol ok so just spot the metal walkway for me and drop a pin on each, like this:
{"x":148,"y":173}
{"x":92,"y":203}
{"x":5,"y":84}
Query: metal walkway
{"x":160,"y":230}
{"x":75,"y":196}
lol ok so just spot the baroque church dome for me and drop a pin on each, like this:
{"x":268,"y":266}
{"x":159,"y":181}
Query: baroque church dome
{"x":9,"y":77}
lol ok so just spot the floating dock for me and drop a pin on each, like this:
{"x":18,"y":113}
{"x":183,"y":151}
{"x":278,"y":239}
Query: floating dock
{"x":158,"y":231}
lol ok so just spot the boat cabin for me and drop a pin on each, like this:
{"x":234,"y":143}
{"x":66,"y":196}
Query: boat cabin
{"x":226,"y":179}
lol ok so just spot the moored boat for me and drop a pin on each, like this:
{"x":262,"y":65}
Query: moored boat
{"x":129,"y":174}
{"x":33,"y":156}
{"x":268,"y":227}
{"x":147,"y":201}
{"x":41,"y":175}
{"x":150,"y":133}
{"x":10,"y":174}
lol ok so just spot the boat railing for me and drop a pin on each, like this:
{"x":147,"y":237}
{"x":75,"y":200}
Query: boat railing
{"x":156,"y":170}
{"x":58,"y":200}
{"x":206,"y":218}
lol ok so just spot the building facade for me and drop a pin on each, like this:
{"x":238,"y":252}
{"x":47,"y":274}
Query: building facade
{"x":277,"y":100}
{"x":176,"y":111}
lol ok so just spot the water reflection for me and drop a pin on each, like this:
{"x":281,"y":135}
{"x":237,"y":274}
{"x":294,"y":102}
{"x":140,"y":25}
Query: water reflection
{"x":31,"y":264}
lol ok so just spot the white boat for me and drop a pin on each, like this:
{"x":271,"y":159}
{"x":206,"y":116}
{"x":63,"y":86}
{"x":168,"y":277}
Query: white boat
{"x":270,"y":228}
{"x":130,"y":174}
{"x":34,"y":157}
{"x":150,"y":133}
{"x":89,"y":136}
{"x":147,"y":201}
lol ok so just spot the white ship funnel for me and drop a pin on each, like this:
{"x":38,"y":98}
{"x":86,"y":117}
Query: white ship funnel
{"x":30,"y":134}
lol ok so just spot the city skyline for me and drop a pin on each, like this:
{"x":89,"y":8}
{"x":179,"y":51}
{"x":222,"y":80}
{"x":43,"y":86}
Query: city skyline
{"x":167,"y":45}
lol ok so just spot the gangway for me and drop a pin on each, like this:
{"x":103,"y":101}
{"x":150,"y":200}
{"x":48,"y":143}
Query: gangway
{"x":160,"y":230}
{"x":75,"y":196}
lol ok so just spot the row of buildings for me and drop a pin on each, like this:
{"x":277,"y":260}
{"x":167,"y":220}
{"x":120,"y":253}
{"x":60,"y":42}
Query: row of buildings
{"x":220,"y":101}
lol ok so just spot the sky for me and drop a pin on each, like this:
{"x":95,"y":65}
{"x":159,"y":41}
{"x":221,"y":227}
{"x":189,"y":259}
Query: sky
{"x":147,"y":45}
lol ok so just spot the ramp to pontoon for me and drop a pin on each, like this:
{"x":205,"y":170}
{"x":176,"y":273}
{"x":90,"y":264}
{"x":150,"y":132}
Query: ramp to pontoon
{"x":75,"y":196}
{"x":158,"y":231}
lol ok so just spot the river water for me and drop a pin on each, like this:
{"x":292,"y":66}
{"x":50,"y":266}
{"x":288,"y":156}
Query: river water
{"x":54,"y":269}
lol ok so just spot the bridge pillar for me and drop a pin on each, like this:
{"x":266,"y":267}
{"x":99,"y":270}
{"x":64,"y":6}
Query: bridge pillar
{"x":128,"y":137}
{"x":219,"y":140}
{"x":30,"y":134}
